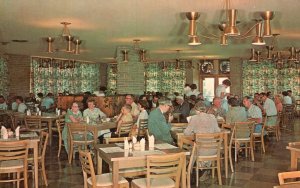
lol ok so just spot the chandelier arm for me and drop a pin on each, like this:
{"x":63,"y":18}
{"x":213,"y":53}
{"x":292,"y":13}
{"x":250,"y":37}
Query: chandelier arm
{"x":210,"y":37}
{"x":245,"y":37}
{"x":250,"y":30}
{"x":207,"y":30}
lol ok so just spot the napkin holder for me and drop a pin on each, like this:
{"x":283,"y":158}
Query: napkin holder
{"x":4,"y":132}
{"x":142,"y":144}
{"x":17,"y":131}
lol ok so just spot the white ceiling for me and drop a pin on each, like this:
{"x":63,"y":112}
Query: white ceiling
{"x":161,"y":25}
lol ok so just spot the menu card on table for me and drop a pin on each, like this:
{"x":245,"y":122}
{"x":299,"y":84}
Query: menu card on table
{"x":164,"y":146}
{"x":112,"y":150}
{"x":148,"y":152}
{"x":28,"y":135}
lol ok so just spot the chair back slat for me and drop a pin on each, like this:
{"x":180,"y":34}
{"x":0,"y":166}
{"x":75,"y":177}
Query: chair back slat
{"x":87,"y":167}
{"x":288,"y":175}
{"x":116,"y":140}
{"x":13,"y":150}
{"x":143,"y":127}
{"x":125,"y":128}
{"x":33,"y":122}
{"x":162,"y":166}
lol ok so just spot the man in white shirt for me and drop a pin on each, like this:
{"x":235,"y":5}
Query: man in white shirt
{"x":254,"y":113}
{"x":286,"y":98}
{"x":269,"y":107}
{"x":290,"y":93}
{"x":3,"y":105}
{"x":21,"y":106}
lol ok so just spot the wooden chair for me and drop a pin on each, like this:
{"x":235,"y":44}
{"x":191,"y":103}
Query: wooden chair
{"x":242,"y":133}
{"x":162,"y":171}
{"x":190,"y":146}
{"x":79,"y":137}
{"x":288,"y":175}
{"x":34,"y":123}
{"x":125,"y":129}
{"x":41,"y":156}
{"x":271,"y":126}
{"x":13,"y":157}
{"x":259,"y":137}
{"x":96,"y":181}
{"x":116,"y":140}
{"x":208,"y":148}
{"x":60,"y":124}
{"x":143,"y":127}
{"x":288,"y":116}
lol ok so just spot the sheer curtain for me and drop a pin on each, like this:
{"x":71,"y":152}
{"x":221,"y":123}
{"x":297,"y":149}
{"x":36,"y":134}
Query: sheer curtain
{"x":264,"y":76}
{"x":63,"y":75}
{"x":4,"y":77}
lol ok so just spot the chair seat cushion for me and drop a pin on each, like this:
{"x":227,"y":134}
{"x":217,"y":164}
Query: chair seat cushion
{"x":105,"y":180}
{"x":156,"y":183}
{"x":5,"y":165}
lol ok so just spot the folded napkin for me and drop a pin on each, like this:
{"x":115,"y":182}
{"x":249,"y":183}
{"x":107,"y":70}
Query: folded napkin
{"x":87,"y":120}
{"x":28,"y":113}
{"x":126,"y":144}
{"x":134,"y":140}
{"x":151,"y":140}
{"x":58,"y":112}
{"x":4,"y":132}
{"x":142,"y":144}
{"x":17,"y":131}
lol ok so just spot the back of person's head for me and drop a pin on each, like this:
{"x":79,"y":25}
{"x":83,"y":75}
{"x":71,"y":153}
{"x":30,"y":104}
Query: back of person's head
{"x":49,"y":94}
{"x":289,"y":91}
{"x":285,"y":93}
{"x":164,"y":101}
{"x":193,"y":86}
{"x":233,"y":102}
{"x":1,"y":97}
{"x":200,"y":107}
{"x":144,"y":104}
{"x":187,"y":85}
{"x":40,"y":95}
{"x":227,"y":82}
{"x":20,"y":98}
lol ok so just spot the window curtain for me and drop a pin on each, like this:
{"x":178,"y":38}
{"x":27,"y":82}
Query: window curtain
{"x":170,"y":79}
{"x":63,"y":76}
{"x":264,"y":76}
{"x":4,"y":77}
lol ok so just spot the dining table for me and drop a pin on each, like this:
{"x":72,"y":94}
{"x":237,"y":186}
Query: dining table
{"x":118,"y":158}
{"x":294,"y":148}
{"x":32,"y":140}
{"x":48,"y":118}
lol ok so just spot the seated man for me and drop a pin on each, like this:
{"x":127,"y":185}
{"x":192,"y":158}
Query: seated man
{"x":48,"y":102}
{"x":183,"y":108}
{"x":157,"y":124}
{"x":254,"y":113}
{"x":216,"y":109}
{"x":20,"y":103}
{"x":3,"y":105}
{"x":129,"y":99}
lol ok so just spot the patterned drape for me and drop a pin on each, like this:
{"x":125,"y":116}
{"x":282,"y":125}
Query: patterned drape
{"x":112,"y":79}
{"x":171,"y":79}
{"x":4,"y":77}
{"x":62,"y":75}
{"x":264,"y":76}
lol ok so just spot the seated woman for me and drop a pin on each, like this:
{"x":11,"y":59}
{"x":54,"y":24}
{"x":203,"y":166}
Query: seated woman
{"x":203,"y":123}
{"x":92,"y":112}
{"x":236,"y":113}
{"x":72,"y":116}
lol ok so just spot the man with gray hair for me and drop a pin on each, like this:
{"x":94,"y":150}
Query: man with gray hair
{"x":183,"y":108}
{"x":157,"y":124}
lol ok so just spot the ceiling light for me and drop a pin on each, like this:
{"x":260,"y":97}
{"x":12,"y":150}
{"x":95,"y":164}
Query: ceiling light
{"x":269,"y":52}
{"x":77,"y":43}
{"x":231,"y":29}
{"x":65,"y":31}
{"x":267,"y":16}
{"x":292,"y":54}
{"x":252,"y":58}
{"x":143,"y":55}
{"x":192,"y":16}
{"x":125,"y":55}
{"x":194,"y":41}
{"x":258,"y":39}
{"x":223,"y":40}
{"x":50,"y":41}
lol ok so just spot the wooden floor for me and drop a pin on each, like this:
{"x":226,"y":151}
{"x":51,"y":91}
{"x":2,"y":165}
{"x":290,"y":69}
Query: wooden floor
{"x":261,"y":173}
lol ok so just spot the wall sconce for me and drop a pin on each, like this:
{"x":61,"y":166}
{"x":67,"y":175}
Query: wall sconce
{"x":50,"y":41}
{"x":125,"y":55}
{"x":77,"y":43}
{"x":143,"y":55}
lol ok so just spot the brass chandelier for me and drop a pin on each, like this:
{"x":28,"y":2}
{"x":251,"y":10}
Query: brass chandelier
{"x":72,"y":43}
{"x":229,"y":27}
